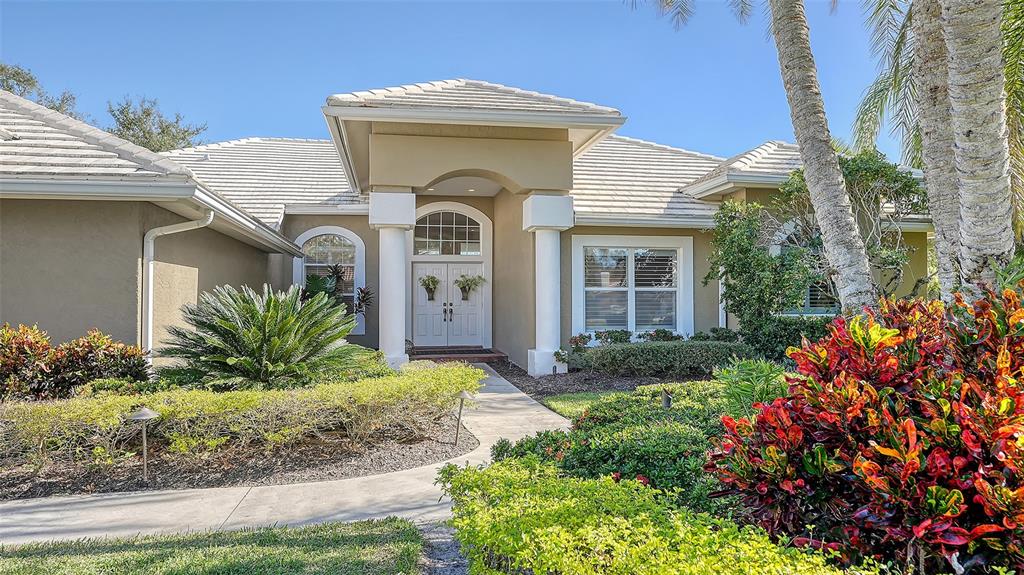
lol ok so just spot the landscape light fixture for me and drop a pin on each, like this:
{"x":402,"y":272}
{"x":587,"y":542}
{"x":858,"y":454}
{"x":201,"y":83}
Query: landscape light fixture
{"x":458,"y":423}
{"x":144,"y":414}
{"x":666,"y":399}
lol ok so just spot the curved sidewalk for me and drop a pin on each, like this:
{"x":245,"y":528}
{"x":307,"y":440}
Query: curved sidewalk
{"x":501,"y":411}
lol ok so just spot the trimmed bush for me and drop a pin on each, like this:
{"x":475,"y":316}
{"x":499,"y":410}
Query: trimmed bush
{"x":665,"y":358}
{"x":772,"y":336}
{"x":31,"y":368}
{"x":521,"y":517}
{"x":611,"y":336}
{"x":200,"y":422}
{"x":716,"y":334}
{"x":632,"y":435}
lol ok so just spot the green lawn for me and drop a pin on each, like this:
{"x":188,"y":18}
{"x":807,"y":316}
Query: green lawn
{"x":385,"y":547}
{"x":571,"y":405}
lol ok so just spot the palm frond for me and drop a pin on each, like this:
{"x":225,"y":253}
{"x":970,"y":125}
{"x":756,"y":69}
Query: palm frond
{"x":244,"y":339}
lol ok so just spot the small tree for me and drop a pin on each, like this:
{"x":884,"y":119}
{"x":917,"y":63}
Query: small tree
{"x":756,"y":282}
{"x":144,"y":124}
{"x":882,"y":196}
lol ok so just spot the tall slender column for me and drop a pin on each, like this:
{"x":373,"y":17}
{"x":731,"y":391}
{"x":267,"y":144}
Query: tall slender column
{"x":546,"y":216}
{"x":392,"y":213}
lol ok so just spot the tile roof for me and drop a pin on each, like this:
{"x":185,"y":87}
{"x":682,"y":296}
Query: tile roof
{"x":36,"y":142}
{"x":262,"y":175}
{"x":464,"y":94}
{"x":772,"y":158}
{"x":619,"y":176}
{"x":625,"y":177}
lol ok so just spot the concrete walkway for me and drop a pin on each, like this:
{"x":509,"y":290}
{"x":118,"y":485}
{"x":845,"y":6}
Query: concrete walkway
{"x":501,"y":411}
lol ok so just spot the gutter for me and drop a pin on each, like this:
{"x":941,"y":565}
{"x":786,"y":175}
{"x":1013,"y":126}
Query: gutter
{"x":149,"y":269}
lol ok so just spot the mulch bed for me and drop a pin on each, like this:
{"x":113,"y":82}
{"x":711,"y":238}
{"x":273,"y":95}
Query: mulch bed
{"x":572,"y":382}
{"x":299,"y":463}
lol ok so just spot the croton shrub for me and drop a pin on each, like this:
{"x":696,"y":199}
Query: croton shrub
{"x":901,"y":438}
{"x":32,"y":368}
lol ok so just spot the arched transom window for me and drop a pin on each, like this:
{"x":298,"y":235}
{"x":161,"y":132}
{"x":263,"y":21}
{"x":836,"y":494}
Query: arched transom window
{"x":446,"y":233}
{"x":327,"y":250}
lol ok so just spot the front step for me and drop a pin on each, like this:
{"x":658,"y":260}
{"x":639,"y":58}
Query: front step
{"x":466,"y":354}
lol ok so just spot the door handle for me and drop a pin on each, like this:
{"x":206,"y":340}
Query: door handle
{"x":444,"y":311}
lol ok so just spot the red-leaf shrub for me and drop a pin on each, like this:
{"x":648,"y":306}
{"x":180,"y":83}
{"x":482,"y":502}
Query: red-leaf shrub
{"x":902,"y":438}
{"x":33,"y":369}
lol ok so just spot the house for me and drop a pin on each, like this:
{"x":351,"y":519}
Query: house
{"x":571,"y":227}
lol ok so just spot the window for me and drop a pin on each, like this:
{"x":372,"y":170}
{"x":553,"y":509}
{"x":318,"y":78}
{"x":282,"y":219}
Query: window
{"x":630,"y":288}
{"x":819,"y":299}
{"x":324,"y":251}
{"x":446,"y":233}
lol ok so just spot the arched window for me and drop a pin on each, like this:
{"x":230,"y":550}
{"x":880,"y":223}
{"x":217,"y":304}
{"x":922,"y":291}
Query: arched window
{"x":327,"y":246}
{"x":446,"y":233}
{"x":327,"y":253}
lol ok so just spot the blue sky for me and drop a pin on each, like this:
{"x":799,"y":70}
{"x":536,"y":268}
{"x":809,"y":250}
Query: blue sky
{"x":264,"y":69}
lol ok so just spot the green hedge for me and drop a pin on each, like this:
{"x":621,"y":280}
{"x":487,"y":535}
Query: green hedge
{"x":198,"y":422}
{"x":770,"y":338}
{"x":518,"y":516}
{"x":665,"y":358}
{"x":632,"y":435}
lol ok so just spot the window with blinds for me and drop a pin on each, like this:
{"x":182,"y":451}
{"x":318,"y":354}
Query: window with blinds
{"x":630,"y":288}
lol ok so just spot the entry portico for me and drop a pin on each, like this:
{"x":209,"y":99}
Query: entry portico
{"x":419,"y":141}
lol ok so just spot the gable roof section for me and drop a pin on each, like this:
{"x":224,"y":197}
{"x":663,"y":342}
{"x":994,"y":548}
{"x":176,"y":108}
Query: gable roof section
{"x":627,"y":180}
{"x":46,"y":154}
{"x":769,"y":164}
{"x":42,"y":143}
{"x":263,"y":175}
{"x":462,"y":94}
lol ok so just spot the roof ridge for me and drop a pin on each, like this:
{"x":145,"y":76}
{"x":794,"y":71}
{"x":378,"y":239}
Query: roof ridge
{"x":549,"y":97}
{"x":379,"y":94}
{"x":663,"y":146}
{"x":238,"y":141}
{"x":120,"y":147}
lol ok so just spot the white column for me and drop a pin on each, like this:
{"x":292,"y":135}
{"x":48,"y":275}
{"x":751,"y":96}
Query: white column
{"x":392,"y":213}
{"x":546,"y":216}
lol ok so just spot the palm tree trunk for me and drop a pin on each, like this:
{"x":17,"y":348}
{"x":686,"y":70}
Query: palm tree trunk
{"x":931,"y":77}
{"x":981,"y":146}
{"x":844,"y":247}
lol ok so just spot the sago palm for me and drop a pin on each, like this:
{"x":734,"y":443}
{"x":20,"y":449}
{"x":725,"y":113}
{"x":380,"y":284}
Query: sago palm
{"x":244,"y":339}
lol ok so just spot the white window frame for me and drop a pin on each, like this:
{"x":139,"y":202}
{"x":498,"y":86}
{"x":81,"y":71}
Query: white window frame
{"x":359,"y":280}
{"x":684,"y":281}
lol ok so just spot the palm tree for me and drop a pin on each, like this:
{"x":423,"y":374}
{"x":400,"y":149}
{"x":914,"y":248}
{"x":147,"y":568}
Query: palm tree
{"x":899,"y":94}
{"x":981,"y":150}
{"x":843,"y":246}
{"x":931,"y":71}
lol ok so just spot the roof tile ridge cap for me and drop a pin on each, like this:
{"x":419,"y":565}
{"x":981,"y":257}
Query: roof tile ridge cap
{"x":381,"y":93}
{"x":542,"y":96}
{"x":756,"y":154}
{"x":665,"y":147}
{"x":148,"y":159}
{"x":213,"y":145}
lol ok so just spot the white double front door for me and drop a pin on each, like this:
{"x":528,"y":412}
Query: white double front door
{"x":447,"y":319}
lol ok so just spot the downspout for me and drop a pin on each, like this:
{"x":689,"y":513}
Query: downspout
{"x":149,"y":270}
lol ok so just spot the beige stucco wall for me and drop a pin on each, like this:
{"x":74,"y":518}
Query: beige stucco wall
{"x":193,"y":262}
{"x":705,"y":298}
{"x":70,"y":266}
{"x":513,"y":289}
